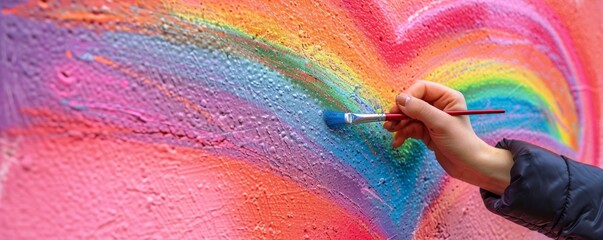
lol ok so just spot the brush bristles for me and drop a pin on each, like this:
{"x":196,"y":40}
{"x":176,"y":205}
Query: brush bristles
{"x":333,"y":119}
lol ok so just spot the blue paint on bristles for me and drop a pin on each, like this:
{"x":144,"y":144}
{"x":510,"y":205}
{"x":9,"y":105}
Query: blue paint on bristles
{"x":333,"y":119}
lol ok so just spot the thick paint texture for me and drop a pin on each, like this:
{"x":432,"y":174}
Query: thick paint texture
{"x":202,"y":119}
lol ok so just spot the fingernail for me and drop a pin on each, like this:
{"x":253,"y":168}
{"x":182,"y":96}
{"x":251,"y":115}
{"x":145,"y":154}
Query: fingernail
{"x":402,"y":99}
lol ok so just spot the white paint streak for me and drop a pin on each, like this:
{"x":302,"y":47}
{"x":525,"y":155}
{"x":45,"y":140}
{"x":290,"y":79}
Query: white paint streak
{"x":374,"y":195}
{"x":7,"y":151}
{"x":412,"y":17}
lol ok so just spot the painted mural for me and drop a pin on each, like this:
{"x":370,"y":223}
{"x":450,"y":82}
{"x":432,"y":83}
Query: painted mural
{"x":202,"y":119}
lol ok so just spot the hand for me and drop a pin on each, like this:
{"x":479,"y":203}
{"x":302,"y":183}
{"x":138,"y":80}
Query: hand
{"x":461,"y":153}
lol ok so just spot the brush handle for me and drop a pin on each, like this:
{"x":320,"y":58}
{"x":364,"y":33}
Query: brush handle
{"x":394,"y":116}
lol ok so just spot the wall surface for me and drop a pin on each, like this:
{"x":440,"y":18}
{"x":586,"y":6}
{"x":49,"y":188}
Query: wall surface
{"x":201,"y":119}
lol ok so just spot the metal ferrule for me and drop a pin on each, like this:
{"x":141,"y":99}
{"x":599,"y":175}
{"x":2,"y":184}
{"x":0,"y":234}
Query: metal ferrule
{"x":354,"y":118}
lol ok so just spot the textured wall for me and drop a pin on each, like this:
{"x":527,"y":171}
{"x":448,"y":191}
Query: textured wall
{"x":199,"y":119}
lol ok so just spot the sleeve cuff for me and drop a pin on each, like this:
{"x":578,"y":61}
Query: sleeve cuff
{"x":537,"y":195}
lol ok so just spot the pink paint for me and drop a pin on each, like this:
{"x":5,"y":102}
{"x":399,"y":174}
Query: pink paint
{"x":157,"y":190}
{"x":184,"y":120}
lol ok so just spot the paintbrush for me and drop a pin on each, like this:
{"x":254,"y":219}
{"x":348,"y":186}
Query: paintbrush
{"x":334,"y":118}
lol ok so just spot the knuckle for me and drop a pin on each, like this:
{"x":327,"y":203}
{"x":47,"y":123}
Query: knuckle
{"x":407,"y":132}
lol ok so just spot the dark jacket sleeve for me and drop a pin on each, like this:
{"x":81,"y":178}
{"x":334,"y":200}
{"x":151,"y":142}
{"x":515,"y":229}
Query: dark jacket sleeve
{"x":550,"y":193}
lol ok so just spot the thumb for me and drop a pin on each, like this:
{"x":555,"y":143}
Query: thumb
{"x":418,"y":109}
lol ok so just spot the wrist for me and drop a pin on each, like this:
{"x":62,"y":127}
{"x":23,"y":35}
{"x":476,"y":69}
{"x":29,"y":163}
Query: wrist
{"x":496,"y":170}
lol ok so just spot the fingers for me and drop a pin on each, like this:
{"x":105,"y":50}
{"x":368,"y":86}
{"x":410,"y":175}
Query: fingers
{"x":415,"y":108}
{"x":424,"y":102}
{"x":388,"y":125}
{"x":431,"y":99}
{"x":399,"y":125}
{"x":394,"y":110}
{"x":411,"y":130}
{"x":438,"y":95}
